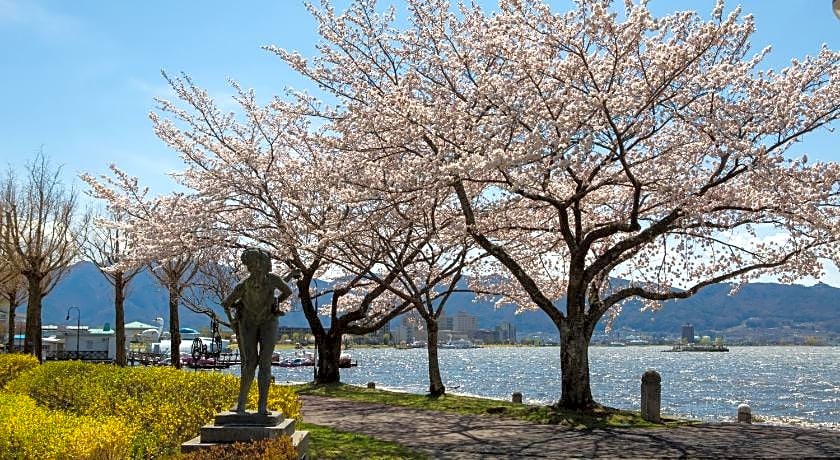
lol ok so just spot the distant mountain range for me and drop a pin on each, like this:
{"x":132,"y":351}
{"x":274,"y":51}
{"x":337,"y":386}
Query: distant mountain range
{"x":757,"y":309}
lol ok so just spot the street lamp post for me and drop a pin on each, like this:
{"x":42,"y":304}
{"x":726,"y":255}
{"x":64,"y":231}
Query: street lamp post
{"x":78,"y":326}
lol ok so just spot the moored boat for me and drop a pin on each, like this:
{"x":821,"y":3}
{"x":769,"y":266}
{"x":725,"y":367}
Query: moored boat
{"x":345,"y":361}
{"x":301,"y":358}
{"x":458,"y":343}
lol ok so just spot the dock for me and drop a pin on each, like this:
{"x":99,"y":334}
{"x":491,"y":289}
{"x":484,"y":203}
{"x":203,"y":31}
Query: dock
{"x":695,"y":347}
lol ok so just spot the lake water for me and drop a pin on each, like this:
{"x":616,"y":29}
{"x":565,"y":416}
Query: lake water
{"x":780,"y":384}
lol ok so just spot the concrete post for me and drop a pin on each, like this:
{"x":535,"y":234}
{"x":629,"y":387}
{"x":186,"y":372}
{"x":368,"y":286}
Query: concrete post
{"x":371,"y":385}
{"x":517,"y":397}
{"x":651,"y":396}
{"x":744,"y":414}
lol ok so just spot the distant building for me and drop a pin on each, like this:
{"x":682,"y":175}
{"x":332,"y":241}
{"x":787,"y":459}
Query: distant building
{"x":134,"y":332}
{"x":407,"y":330}
{"x":465,"y":323}
{"x":483,"y":336}
{"x":62,"y":342}
{"x":4,"y":314}
{"x":371,"y":338}
{"x":506,"y":332}
{"x":687,"y":335}
{"x":19,"y":333}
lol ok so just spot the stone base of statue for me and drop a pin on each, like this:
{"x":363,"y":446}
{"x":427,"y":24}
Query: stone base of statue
{"x":230,"y":427}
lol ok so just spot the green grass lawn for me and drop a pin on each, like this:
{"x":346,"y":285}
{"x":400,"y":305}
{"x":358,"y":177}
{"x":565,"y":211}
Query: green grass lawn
{"x":600,"y":417}
{"x":327,"y":443}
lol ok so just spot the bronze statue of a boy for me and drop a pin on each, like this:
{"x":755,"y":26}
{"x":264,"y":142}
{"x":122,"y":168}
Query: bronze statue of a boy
{"x":253,"y":299}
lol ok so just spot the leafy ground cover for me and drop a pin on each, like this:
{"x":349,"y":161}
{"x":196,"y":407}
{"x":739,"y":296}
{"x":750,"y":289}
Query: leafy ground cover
{"x":600,"y":417}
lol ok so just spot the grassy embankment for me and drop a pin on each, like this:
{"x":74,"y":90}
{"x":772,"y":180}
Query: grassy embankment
{"x":601,"y":417}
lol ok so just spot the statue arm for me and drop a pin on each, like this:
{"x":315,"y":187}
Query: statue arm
{"x":280,"y":284}
{"x":234,"y":295}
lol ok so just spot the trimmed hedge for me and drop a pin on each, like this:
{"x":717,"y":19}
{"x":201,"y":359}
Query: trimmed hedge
{"x":28,"y":431}
{"x":14,"y":364}
{"x":165,"y":406}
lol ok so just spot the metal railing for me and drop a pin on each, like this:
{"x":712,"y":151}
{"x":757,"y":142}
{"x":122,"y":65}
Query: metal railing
{"x":90,"y":355}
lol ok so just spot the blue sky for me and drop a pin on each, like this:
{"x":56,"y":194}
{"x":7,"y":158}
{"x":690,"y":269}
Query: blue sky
{"x":79,"y":76}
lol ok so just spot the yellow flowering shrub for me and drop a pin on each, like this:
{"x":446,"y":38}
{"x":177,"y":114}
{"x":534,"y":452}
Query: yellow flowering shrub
{"x":280,"y":398}
{"x":13,"y":364}
{"x":168,"y":405}
{"x":28,"y":431}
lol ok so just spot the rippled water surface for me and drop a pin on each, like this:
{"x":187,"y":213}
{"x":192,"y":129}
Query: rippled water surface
{"x":793,"y":384}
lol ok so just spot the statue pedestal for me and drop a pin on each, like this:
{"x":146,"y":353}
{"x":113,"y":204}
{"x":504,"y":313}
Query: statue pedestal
{"x":230,"y":427}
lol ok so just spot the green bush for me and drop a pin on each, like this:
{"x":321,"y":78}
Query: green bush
{"x":168,"y":405}
{"x":14,"y":364}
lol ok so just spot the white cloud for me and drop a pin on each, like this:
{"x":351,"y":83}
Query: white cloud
{"x":44,"y":22}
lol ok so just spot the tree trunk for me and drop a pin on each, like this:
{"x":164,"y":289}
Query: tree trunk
{"x":10,"y":341}
{"x":119,"y":311}
{"x":329,"y":350}
{"x":436,"y":387}
{"x":32,"y":339}
{"x":574,"y":365}
{"x":174,"y":328}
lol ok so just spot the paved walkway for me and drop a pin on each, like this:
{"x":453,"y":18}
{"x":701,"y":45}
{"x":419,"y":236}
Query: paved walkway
{"x":445,"y":435}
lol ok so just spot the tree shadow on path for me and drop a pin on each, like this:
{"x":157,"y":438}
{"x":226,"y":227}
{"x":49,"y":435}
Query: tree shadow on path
{"x":448,"y":435}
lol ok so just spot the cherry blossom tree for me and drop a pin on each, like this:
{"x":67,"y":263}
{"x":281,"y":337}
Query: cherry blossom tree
{"x":218,"y":273}
{"x":428,"y":274}
{"x":588,"y":146}
{"x":175,"y":274}
{"x":268,"y":178}
{"x":162,"y":235}
{"x":105,"y":246}
{"x":428,"y":284}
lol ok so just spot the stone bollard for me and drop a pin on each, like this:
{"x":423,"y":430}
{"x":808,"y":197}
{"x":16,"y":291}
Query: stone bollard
{"x":651,"y":395}
{"x":371,"y":385}
{"x":744,"y":414}
{"x":516,"y":397}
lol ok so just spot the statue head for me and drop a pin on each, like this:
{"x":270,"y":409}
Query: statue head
{"x":256,"y":260}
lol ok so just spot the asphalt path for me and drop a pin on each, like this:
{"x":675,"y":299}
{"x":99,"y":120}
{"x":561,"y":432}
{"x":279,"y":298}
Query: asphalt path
{"x":447,"y":435}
